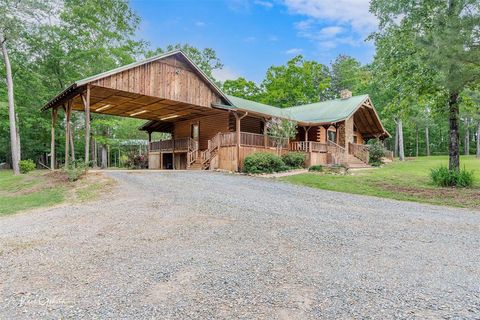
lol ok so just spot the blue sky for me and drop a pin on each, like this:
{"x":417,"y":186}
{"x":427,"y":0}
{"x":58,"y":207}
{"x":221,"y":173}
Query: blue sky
{"x":251,"y":35}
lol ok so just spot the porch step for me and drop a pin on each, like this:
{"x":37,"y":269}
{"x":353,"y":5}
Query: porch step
{"x":195,"y":166}
{"x":354,"y":162}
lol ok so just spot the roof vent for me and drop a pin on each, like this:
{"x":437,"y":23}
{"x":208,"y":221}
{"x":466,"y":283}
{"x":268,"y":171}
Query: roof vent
{"x":345,"y":94}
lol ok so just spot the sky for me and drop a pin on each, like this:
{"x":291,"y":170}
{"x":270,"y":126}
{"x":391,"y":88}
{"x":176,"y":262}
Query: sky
{"x":249,"y":36}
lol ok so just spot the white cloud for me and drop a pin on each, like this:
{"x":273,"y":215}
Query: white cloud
{"x":200,"y":24}
{"x":264,"y":4}
{"x":332,"y":31}
{"x":294,"y":51}
{"x":226,"y":73}
{"x":304,"y":25}
{"x":249,"y":39}
{"x":354,"y":13}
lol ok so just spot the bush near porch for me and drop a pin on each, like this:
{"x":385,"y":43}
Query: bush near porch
{"x":262,"y":162}
{"x":294,"y":159}
{"x":407,"y":180}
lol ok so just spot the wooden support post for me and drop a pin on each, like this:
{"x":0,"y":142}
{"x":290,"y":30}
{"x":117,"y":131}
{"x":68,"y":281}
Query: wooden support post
{"x":72,"y":146}
{"x":86,"y":105}
{"x":265,"y":133}
{"x":307,"y":145}
{"x":52,"y":143}
{"x":149,"y":140}
{"x":67,"y":132}
{"x":238,"y":120}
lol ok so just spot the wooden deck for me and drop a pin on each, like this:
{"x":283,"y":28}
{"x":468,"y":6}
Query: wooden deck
{"x":223,"y":151}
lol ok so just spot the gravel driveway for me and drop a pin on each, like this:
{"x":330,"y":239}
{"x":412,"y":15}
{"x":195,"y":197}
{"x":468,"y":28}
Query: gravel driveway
{"x":206,"y":245}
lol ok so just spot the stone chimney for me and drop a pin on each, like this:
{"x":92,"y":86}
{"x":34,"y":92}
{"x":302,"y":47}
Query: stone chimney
{"x":345,"y":94}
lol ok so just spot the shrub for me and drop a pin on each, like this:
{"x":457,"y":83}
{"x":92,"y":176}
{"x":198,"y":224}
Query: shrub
{"x":136,"y":161}
{"x":376,"y":153}
{"x":317,"y":168}
{"x":27,"y":165}
{"x":76,"y":169}
{"x":261,"y":162}
{"x":294,"y":159}
{"x":443,"y":177}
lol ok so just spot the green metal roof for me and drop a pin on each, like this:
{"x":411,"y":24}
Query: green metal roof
{"x":327,"y":111}
{"x":319,"y":112}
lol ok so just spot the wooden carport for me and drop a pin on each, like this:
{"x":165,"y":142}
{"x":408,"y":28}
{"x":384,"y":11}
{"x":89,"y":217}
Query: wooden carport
{"x":165,"y":88}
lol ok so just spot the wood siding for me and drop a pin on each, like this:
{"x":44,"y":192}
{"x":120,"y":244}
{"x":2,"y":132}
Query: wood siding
{"x":170,"y":78}
{"x":247,"y":124}
{"x":209,"y":126}
{"x":227,"y":156}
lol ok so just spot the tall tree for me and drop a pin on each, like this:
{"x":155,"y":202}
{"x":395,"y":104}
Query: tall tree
{"x":348,"y":73}
{"x":446,"y":34}
{"x":17,"y":19}
{"x":300,"y":81}
{"x":243,"y":88}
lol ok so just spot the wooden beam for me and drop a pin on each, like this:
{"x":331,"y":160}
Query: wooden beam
{"x":72,"y":146}
{"x":306,"y":129}
{"x":265,"y":133}
{"x":67,"y":131}
{"x":238,"y":120}
{"x":86,"y":104}
{"x":52,"y":143}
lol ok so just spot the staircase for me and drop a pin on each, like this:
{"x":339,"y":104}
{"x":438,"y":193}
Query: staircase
{"x":202,"y":159}
{"x":355,"y":163}
{"x":197,"y":165}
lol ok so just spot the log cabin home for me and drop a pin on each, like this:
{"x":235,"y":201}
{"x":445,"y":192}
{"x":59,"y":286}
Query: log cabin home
{"x":210,"y":129}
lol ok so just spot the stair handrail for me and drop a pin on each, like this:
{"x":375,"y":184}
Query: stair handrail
{"x":338,"y":152}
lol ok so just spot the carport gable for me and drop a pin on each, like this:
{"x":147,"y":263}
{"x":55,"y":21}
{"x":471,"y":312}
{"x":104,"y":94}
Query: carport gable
{"x":168,"y":88}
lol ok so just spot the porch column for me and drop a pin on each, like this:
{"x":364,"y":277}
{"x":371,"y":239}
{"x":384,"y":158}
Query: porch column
{"x":265,"y":133}
{"x":67,"y":131}
{"x":238,"y":135}
{"x":149,"y":140}
{"x":86,"y":104}
{"x":52,"y":143}
{"x":307,"y":146}
{"x":348,"y":133}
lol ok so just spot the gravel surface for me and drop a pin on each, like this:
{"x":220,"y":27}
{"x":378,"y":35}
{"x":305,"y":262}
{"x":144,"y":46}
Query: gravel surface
{"x":206,"y":245}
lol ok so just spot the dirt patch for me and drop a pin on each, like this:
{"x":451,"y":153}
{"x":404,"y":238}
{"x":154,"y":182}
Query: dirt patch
{"x":460,"y":196}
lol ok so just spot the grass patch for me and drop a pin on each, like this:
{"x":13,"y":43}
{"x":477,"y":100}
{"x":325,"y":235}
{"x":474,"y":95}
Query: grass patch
{"x":42,"y":188}
{"x":409,"y":180}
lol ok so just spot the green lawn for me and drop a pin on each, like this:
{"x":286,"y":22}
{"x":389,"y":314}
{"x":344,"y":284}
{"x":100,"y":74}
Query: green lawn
{"x":27,"y":191}
{"x":43,"y":188}
{"x":407,"y":180}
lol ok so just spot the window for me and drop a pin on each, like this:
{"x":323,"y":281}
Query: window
{"x":194,"y":131}
{"x":332,"y":136}
{"x":354,"y":139}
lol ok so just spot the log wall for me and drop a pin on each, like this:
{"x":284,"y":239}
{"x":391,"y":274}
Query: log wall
{"x":209,"y":126}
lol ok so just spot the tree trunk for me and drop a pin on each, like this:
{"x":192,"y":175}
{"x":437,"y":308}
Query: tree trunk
{"x":18,"y":137}
{"x":427,"y":141}
{"x":401,"y":153}
{"x":14,"y":143}
{"x":453,"y":145}
{"x":467,"y":138}
{"x":478,"y":139}
{"x":395,"y":151}
{"x":416,"y":142}
{"x":104,"y":157}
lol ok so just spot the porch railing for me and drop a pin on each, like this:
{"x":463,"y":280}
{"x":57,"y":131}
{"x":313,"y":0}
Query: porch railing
{"x":308,"y":146}
{"x":360,"y":151}
{"x":337,"y":153}
{"x":186,"y":144}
